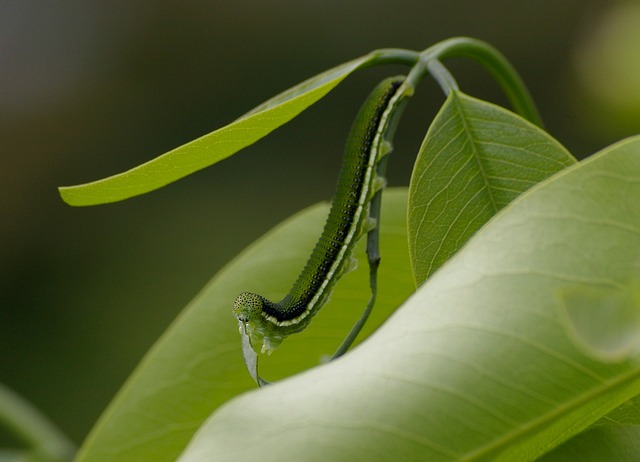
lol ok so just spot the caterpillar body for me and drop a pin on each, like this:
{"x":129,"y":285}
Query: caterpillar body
{"x":348,"y":220}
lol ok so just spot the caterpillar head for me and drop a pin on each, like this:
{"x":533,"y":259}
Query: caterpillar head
{"x":248,"y":309}
{"x":247,"y":306}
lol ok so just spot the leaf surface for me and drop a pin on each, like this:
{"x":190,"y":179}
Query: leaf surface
{"x":475,"y":159}
{"x":600,"y":444}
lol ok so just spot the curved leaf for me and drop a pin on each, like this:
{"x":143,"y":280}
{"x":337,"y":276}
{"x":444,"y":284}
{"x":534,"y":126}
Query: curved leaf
{"x":476,"y":365}
{"x":213,"y":147}
{"x":475,"y":159}
{"x":197,"y":364}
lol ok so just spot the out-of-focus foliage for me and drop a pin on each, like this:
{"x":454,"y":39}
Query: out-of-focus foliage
{"x":607,"y":62}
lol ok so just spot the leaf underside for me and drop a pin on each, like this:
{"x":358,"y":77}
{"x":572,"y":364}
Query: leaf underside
{"x":475,"y":159}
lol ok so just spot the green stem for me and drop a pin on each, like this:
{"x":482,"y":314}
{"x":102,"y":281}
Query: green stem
{"x":24,"y":421}
{"x":496,"y":64}
{"x":491,"y":59}
{"x":442,"y":76}
{"x":393,"y":56}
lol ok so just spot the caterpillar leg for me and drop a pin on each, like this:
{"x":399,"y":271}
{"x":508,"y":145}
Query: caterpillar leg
{"x":385,"y":149}
{"x":351,"y":264}
{"x":369,"y":225}
{"x":270,"y":343}
{"x":379,"y":183}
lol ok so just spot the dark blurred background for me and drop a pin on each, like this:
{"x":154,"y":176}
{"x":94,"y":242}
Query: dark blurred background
{"x":88,"y":89}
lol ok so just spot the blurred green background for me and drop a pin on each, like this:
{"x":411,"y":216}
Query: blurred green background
{"x":88,"y":89}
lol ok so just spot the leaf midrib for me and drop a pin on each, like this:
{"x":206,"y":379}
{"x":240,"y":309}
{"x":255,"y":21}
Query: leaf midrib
{"x":496,"y":447}
{"x":476,"y":153}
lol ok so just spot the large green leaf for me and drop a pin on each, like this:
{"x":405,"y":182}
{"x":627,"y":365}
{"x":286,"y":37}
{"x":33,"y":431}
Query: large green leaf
{"x":477,"y":364}
{"x":475,"y":159}
{"x":197,"y":365}
{"x":213,"y":147}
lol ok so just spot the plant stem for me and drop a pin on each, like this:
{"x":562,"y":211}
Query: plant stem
{"x":491,"y":59}
{"x":442,"y":76}
{"x":496,"y":64}
{"x":392,"y":56}
{"x":24,"y":421}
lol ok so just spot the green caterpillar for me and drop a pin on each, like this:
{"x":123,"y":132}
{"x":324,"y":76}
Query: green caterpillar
{"x":348,"y":220}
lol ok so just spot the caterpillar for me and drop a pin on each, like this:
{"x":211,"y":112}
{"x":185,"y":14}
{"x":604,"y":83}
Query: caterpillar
{"x":348,"y":220}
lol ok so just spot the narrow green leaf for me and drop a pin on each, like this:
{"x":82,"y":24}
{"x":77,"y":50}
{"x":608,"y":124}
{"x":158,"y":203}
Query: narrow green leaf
{"x":476,"y":366}
{"x":475,"y":159}
{"x":604,"y":321}
{"x":213,"y":147}
{"x":197,"y":364}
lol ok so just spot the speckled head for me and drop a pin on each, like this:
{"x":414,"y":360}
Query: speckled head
{"x":249,"y":309}
{"x":248,"y":306}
